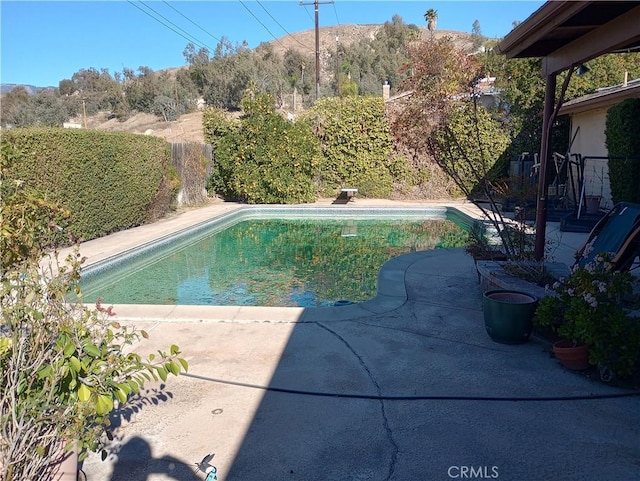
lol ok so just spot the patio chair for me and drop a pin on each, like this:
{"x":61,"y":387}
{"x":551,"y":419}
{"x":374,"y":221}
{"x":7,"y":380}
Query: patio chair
{"x":618,"y":233}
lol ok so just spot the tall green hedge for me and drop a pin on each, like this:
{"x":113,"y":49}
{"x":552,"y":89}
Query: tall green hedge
{"x":109,"y":181}
{"x":266,"y":158}
{"x":356,"y":145}
{"x":622,"y":133}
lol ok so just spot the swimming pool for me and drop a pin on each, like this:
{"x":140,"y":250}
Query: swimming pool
{"x":273,"y":256}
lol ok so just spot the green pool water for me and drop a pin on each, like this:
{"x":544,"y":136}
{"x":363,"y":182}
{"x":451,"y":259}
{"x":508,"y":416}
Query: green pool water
{"x":271,"y":262}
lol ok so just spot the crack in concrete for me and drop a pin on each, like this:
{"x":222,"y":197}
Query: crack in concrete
{"x":429,"y":335}
{"x":396,"y":449}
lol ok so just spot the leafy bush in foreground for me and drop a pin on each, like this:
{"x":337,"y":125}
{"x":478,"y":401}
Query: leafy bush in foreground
{"x":63,"y":366}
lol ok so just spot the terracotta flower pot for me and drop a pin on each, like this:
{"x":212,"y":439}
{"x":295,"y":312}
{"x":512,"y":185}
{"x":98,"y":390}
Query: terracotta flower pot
{"x":575,"y":357}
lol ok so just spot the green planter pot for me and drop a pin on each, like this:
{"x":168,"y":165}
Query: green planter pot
{"x":508,"y":315}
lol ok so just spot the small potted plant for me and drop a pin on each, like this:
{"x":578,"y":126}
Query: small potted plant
{"x":588,"y":313}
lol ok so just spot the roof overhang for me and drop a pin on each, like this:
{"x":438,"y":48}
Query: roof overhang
{"x":567,"y":33}
{"x":602,"y":98}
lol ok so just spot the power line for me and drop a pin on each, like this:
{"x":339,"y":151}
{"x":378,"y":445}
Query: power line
{"x":184,"y":35}
{"x":260,"y":22}
{"x":178,"y":27}
{"x":285,"y":30}
{"x":188,"y":19}
{"x":335,"y":12}
{"x":307,"y":10}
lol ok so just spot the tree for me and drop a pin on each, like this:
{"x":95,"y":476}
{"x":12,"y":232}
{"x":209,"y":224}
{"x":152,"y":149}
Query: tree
{"x":66,"y":87}
{"x":267,"y":159}
{"x":16,"y":108}
{"x":438,"y":73}
{"x":371,"y":62}
{"x":431,"y":16}
{"x":98,"y":88}
{"x":476,"y":34}
{"x":442,"y":118}
{"x":141,"y":89}
{"x":198,"y":64}
{"x":195,"y":57}
{"x":165,"y":107}
{"x":295,"y":64}
{"x":522,"y":91}
{"x":622,"y":132}
{"x":51,"y":110}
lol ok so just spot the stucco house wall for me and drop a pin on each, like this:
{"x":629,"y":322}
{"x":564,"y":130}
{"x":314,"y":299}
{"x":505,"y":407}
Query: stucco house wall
{"x":588,"y":116}
{"x":588,"y":128}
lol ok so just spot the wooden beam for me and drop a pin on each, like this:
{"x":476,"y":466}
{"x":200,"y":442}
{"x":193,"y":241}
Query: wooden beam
{"x":545,"y":151}
{"x":547,"y":18}
{"x":608,"y":38}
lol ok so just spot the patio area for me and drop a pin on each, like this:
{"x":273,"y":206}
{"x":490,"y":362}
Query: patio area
{"x":406,"y":386}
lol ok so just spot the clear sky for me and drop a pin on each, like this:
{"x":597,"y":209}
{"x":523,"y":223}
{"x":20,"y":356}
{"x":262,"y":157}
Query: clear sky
{"x":45,"y":42}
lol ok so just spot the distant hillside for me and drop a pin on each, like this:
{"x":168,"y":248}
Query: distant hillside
{"x":349,"y":34}
{"x":31,"y":89}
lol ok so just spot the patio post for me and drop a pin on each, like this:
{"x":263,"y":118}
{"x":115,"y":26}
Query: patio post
{"x":545,"y":148}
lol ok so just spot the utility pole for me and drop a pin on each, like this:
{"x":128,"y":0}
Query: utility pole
{"x":337,"y":68}
{"x":316,"y":4}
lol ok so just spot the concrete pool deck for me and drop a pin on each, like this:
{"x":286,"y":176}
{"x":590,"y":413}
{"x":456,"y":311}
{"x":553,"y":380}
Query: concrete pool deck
{"x":407,"y":386}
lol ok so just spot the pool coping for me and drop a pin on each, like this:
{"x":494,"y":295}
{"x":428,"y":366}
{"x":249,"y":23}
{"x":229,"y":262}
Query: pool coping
{"x":391,"y":291}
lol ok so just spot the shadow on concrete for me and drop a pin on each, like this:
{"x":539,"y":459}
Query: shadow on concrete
{"x":423,"y":393}
{"x":130,"y":466}
{"x":133,"y":460}
{"x":136,"y":403}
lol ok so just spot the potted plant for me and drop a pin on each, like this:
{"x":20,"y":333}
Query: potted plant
{"x":588,"y":311}
{"x":508,"y":315}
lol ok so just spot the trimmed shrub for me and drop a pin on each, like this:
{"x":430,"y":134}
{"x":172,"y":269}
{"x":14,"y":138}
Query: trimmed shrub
{"x":266,"y":159}
{"x":28,"y":223}
{"x":108,"y":181}
{"x":356,"y":145}
{"x":622,"y":133}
